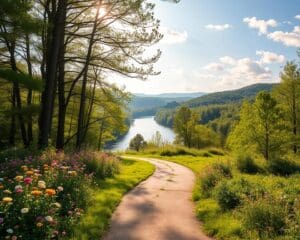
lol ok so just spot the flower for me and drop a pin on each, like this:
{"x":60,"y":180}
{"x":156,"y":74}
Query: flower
{"x":27,"y":180}
{"x":60,"y":188}
{"x":29,"y":173}
{"x":7,"y":191}
{"x":7,"y":199}
{"x":1,"y":220}
{"x":42,"y":184}
{"x":14,"y":238}
{"x":18,"y":187}
{"x":57,"y":205}
{"x":24,"y":168}
{"x":24,"y":210}
{"x":19,"y":178}
{"x":9,"y":230}
{"x":1,"y":186}
{"x":39,"y":224}
{"x":49,"y":219}
{"x":50,"y":192}
{"x":36,"y":193}
{"x":72,"y":173}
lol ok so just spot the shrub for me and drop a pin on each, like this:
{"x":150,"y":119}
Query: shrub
{"x":175,"y":152}
{"x":265,"y":216}
{"x":211,"y":176}
{"x":283,"y":167}
{"x":216,"y":152}
{"x":226,"y":196}
{"x":245,"y":164}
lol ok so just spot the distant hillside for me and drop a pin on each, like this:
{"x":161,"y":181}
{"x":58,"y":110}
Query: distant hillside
{"x":230,"y":96}
{"x":172,"y":95}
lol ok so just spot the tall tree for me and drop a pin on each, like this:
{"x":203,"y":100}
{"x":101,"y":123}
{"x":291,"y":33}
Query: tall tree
{"x":288,"y":95}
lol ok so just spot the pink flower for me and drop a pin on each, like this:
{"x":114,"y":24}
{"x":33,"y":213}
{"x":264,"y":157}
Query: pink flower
{"x":27,"y":180}
{"x":1,"y":220}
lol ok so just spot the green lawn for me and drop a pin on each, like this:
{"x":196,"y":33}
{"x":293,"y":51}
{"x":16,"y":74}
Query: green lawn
{"x":108,"y":195}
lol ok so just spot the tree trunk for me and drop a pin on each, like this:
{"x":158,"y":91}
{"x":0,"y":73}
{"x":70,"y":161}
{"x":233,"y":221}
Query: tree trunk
{"x":48,"y":94}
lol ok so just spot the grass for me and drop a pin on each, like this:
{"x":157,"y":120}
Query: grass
{"x":108,"y":195}
{"x":229,"y":224}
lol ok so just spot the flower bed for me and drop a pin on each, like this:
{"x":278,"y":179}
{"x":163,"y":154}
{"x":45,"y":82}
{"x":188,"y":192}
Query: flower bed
{"x":43,"y":197}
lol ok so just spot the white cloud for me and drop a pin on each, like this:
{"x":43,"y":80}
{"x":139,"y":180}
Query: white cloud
{"x":227,"y":60}
{"x":290,"y":39}
{"x":261,"y":25}
{"x":269,"y":57}
{"x":172,"y":36}
{"x":217,"y":67}
{"x":297,"y":17}
{"x":218,"y":27}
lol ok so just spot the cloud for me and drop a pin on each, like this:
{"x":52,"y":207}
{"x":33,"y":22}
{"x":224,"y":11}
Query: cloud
{"x":297,"y":17}
{"x":290,"y":39}
{"x":269,"y":57}
{"x":261,"y":25}
{"x":217,"y":67}
{"x":227,"y":60}
{"x":218,"y":27}
{"x":172,"y":36}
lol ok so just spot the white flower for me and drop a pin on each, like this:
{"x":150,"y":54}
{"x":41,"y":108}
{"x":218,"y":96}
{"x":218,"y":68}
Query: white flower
{"x":9,"y":230}
{"x":60,"y":188}
{"x":41,"y":184}
{"x":49,"y":219}
{"x":18,"y":187}
{"x":24,"y":210}
{"x":57,"y":205}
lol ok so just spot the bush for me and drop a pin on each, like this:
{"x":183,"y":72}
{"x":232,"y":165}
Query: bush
{"x":212,"y":175}
{"x":175,"y":152}
{"x":216,"y":152}
{"x":265,"y":216}
{"x":226,"y":196}
{"x":245,"y":164}
{"x":283,"y":167}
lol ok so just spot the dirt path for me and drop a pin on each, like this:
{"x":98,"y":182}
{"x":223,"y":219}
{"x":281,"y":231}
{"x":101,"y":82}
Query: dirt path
{"x":160,"y":208}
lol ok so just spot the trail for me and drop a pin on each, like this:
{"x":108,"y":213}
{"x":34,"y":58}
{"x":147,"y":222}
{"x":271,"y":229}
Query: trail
{"x":160,"y":208}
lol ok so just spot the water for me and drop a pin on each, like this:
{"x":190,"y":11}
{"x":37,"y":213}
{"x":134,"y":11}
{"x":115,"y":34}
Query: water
{"x":147,"y":127}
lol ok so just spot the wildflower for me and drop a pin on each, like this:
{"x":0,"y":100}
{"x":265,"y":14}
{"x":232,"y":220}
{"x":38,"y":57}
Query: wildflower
{"x":50,"y":192}
{"x":19,"y":178}
{"x":49,"y":219}
{"x":1,"y":220}
{"x":42,"y":184}
{"x":27,"y":180}
{"x":39,"y":224}
{"x":7,"y":199}
{"x":7,"y":191}
{"x":36,"y":193}
{"x":24,"y":210}
{"x":9,"y":230}
{"x":57,"y":205}
{"x":18,"y":187}
{"x":72,"y":173}
{"x":60,"y":189}
{"x":24,"y":168}
{"x":29,"y":173}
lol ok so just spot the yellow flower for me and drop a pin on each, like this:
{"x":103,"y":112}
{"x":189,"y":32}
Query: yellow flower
{"x":36,"y":193}
{"x":24,"y":168}
{"x":7,"y":191}
{"x":42,"y":184}
{"x":7,"y":199}
{"x":50,"y":192}
{"x":39,"y":224}
{"x":72,"y":173}
{"x":19,"y":178}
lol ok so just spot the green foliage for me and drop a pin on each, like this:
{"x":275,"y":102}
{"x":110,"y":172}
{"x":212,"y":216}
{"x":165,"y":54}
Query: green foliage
{"x":246,"y":164}
{"x":283,"y":167}
{"x":266,"y":217}
{"x":137,"y":143}
{"x":227,"y":198}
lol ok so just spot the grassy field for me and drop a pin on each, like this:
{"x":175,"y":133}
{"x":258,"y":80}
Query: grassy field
{"x":107,"y":197}
{"x":236,"y":205}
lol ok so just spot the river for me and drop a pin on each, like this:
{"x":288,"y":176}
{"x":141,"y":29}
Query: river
{"x":147,"y":127}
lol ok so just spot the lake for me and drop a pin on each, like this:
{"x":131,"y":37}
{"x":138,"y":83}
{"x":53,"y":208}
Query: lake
{"x":147,"y":127}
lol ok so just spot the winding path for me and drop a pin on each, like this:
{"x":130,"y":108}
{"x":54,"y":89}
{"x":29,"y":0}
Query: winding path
{"x":159,"y":208}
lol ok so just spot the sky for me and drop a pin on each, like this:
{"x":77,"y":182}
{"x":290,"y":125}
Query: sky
{"x":217,"y":45}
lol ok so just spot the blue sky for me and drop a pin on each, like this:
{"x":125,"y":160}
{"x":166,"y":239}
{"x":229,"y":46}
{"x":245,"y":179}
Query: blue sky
{"x":215,"y":45}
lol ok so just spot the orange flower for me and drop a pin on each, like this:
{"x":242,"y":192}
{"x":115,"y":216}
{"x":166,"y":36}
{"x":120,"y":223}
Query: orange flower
{"x":19,"y":178}
{"x":24,"y":168}
{"x":1,"y":186}
{"x":36,"y":193}
{"x":29,"y":173}
{"x":50,"y":192}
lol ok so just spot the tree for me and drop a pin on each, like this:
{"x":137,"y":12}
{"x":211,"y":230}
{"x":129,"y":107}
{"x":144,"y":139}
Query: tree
{"x":137,"y":143}
{"x":259,"y":127}
{"x":182,"y":125}
{"x":288,"y":95}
